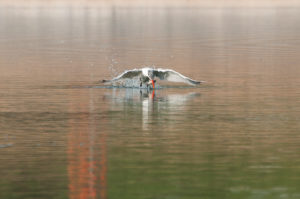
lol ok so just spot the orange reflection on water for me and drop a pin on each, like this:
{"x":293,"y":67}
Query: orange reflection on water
{"x":86,"y":160}
{"x":103,"y":169}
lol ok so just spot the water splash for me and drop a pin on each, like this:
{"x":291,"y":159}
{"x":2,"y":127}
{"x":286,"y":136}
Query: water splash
{"x":112,"y":66}
{"x":129,"y":83}
{"x":6,"y":145}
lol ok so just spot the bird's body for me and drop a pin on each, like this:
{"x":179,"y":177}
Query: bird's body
{"x":147,"y":76}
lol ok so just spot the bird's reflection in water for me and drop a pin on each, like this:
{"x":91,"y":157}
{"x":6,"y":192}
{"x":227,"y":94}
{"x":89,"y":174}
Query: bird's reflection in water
{"x":89,"y":130}
{"x":151,"y":104}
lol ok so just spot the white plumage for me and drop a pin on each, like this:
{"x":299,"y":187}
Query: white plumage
{"x":148,"y":75}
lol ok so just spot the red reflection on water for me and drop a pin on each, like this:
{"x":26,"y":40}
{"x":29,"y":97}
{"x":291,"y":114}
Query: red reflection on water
{"x":103,"y":169}
{"x":153,"y":94}
{"x":87,"y":162}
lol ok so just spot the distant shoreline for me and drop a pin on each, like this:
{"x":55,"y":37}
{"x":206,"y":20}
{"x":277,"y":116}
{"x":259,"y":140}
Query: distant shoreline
{"x":152,"y":3}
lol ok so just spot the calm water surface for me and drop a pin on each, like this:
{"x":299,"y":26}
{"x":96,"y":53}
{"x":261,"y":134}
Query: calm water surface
{"x":63,"y":135}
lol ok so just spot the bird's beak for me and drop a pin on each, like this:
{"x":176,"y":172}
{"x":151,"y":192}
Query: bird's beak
{"x":152,"y":81}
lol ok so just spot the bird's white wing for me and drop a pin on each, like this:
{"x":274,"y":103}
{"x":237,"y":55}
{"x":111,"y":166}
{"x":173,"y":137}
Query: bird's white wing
{"x":126,"y":74}
{"x":173,"y":76}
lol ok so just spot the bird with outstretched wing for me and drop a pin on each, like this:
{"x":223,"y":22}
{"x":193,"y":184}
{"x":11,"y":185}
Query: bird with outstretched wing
{"x":148,"y":75}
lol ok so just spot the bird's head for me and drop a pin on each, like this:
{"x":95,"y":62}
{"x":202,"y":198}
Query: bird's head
{"x":150,"y":74}
{"x":151,"y":78}
{"x":152,"y":81}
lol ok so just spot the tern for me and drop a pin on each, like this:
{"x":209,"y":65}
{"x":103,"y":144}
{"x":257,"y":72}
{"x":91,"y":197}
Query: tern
{"x":147,"y":76}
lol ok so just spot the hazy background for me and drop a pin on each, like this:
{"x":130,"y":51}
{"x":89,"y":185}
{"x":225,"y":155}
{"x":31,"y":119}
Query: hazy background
{"x":155,"y":3}
{"x":65,"y":135}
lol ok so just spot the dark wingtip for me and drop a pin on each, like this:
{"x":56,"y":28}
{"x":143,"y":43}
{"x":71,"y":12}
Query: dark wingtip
{"x":198,"y":82}
{"x":195,"y":82}
{"x":104,"y":80}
